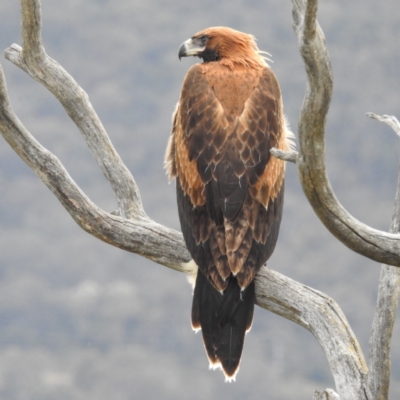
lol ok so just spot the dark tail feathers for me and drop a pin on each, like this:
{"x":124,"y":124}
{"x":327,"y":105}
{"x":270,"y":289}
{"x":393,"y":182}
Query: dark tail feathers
{"x":224,"y":320}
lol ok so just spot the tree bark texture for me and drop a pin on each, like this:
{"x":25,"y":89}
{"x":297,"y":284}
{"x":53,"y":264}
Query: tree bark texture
{"x":132,"y":230}
{"x":377,"y":245}
{"x":387,"y":302}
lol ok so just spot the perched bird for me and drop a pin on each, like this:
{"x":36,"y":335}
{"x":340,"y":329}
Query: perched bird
{"x":229,"y":187}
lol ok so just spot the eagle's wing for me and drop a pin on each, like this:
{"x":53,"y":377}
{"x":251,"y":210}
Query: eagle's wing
{"x":229,"y":186}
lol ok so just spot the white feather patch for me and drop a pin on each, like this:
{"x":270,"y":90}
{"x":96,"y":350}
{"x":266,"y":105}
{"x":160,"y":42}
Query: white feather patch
{"x":191,"y":269}
{"x":289,"y":135}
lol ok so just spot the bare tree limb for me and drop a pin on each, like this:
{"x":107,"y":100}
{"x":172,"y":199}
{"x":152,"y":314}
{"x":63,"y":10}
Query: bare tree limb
{"x":281,"y":295}
{"x":327,"y":394}
{"x":377,"y":245}
{"x":135,"y":232}
{"x":34,"y":61}
{"x":321,"y":315}
{"x":389,"y":120}
{"x":290,"y":156}
{"x":142,"y":236}
{"x":387,"y":303}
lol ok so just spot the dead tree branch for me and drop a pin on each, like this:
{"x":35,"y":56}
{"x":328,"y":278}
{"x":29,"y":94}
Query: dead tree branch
{"x":387,"y":303}
{"x":327,"y":394}
{"x":275,"y":292}
{"x":290,"y":156}
{"x":135,"y":232}
{"x":33,"y":60}
{"x":324,"y":319}
{"x":377,"y":245}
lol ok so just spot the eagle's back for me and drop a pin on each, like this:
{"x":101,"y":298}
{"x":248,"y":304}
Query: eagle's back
{"x":230,"y":193}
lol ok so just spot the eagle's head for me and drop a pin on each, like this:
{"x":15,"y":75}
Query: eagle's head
{"x":224,"y":45}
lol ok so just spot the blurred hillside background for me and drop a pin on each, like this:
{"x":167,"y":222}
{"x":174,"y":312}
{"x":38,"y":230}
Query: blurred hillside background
{"x":80,"y":319}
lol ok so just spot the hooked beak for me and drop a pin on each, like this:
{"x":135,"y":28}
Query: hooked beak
{"x":190,"y":48}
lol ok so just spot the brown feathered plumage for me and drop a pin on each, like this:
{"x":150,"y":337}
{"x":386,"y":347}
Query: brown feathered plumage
{"x":229,"y":187}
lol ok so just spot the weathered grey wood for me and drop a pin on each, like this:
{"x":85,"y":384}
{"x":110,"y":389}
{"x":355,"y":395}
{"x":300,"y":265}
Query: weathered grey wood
{"x":389,"y":120}
{"x":387,"y":303}
{"x":279,"y":294}
{"x":322,"y":316}
{"x":141,"y":235}
{"x":130,"y":229}
{"x":377,"y":245}
{"x":33,"y":60}
{"x":327,"y":394}
{"x":290,"y":156}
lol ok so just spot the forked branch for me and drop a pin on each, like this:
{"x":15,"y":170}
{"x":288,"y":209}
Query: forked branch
{"x":135,"y":232}
{"x":33,"y":60}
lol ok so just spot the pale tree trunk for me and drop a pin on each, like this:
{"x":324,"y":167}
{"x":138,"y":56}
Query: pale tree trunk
{"x":388,"y":299}
{"x":131,"y":229}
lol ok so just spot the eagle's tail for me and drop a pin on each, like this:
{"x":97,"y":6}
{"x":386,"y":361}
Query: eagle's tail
{"x":224,"y":320}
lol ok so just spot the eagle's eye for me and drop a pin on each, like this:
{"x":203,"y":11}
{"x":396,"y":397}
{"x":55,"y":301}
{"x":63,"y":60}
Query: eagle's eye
{"x":203,"y":40}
